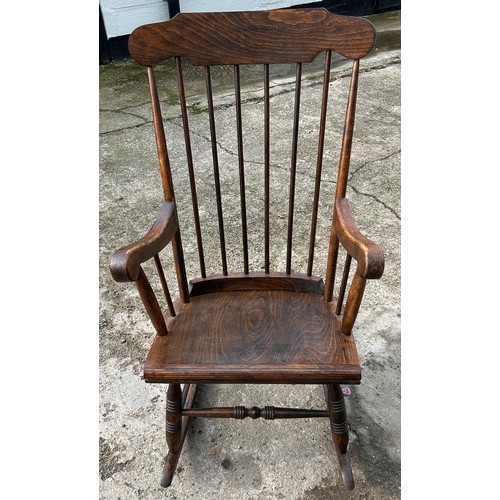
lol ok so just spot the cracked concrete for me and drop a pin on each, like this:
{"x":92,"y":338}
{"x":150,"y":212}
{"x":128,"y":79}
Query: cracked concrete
{"x":249,"y":459}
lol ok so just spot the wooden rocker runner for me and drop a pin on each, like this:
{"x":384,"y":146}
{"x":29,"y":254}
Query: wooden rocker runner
{"x":246,"y":326}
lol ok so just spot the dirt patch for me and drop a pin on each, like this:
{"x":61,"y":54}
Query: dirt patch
{"x":108,"y":461}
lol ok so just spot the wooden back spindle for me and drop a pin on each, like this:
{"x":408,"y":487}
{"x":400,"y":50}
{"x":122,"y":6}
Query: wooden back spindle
{"x":343,"y":284}
{"x":293,"y":166}
{"x":241,"y":166}
{"x":150,"y":302}
{"x":319,"y":160}
{"x":213,"y":137}
{"x":189,"y":157}
{"x":331,"y":266}
{"x":266,"y":167}
{"x":164,"y":285}
{"x":180,"y":267}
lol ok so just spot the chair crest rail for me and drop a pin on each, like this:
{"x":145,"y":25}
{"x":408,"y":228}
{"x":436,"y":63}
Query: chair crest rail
{"x":257,"y":37}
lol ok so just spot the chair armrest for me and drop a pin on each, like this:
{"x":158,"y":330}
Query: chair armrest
{"x":368,"y":255}
{"x":125,"y":262}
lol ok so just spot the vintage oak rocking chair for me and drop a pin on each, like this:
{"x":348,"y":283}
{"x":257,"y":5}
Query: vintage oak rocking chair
{"x":264,"y":326}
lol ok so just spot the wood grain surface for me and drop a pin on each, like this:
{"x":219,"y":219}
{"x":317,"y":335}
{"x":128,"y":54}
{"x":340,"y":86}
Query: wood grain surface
{"x":257,"y":37}
{"x":294,"y":282}
{"x":254,"y":336}
{"x":369,"y":256}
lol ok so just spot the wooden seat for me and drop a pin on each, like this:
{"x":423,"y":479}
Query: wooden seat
{"x":252,"y":325}
{"x":246,"y":336}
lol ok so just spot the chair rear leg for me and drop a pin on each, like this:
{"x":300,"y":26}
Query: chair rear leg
{"x":340,"y":430}
{"x":173,"y":432}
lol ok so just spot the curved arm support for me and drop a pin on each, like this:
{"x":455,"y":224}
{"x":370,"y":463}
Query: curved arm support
{"x":125,"y":262}
{"x":368,"y":255}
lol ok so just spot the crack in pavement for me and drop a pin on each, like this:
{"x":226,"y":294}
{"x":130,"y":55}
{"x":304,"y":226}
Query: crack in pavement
{"x":225,"y":149}
{"x":392,"y":210}
{"x":125,"y":110}
{"x":302,"y":174}
{"x":118,"y":131}
{"x":361,"y":193}
{"x":289,"y":86}
{"x":363,"y":165}
{"x":281,"y":167}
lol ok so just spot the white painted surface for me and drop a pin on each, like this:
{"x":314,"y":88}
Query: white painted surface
{"x":121,"y":17}
{"x":236,"y":5}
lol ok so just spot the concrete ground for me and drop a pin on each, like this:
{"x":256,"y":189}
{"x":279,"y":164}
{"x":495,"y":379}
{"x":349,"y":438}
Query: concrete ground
{"x":228,"y":459}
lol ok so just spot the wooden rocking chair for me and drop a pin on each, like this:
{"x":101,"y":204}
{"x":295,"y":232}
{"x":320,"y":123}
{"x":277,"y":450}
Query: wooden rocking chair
{"x":252,"y":327}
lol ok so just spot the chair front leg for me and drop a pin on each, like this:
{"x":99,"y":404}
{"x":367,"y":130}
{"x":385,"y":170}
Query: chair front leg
{"x":173,"y":432}
{"x":340,"y":430}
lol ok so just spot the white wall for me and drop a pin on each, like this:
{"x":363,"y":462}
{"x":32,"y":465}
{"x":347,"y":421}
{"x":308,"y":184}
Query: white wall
{"x":236,"y":5}
{"x":121,"y":17}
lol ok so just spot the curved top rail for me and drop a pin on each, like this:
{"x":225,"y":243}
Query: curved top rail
{"x":257,"y":37}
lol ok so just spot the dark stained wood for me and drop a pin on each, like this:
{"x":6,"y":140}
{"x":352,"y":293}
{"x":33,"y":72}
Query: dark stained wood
{"x":319,"y":158}
{"x":353,"y":302}
{"x":266,"y":167}
{"x":267,"y":413}
{"x":188,"y":395}
{"x":189,"y":158}
{"x":254,"y":336}
{"x":239,"y":282}
{"x":164,"y":285}
{"x":253,"y":327}
{"x":340,"y":430}
{"x":338,"y":418}
{"x":343,"y":284}
{"x":125,"y":262}
{"x":345,"y":152}
{"x":174,"y":417}
{"x":281,"y":36}
{"x":161,"y":144}
{"x":293,"y":166}
{"x":166,"y":179}
{"x":331,"y":265}
{"x":241,"y":166}
{"x":215,"y":159}
{"x":180,"y":267}
{"x":150,"y":302}
{"x":369,"y":255}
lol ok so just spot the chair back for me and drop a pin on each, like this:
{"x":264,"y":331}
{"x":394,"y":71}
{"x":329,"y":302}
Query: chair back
{"x":240,"y":186}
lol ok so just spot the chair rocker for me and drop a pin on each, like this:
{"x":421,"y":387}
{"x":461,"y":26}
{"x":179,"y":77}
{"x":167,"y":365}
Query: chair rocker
{"x":246,"y":326}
